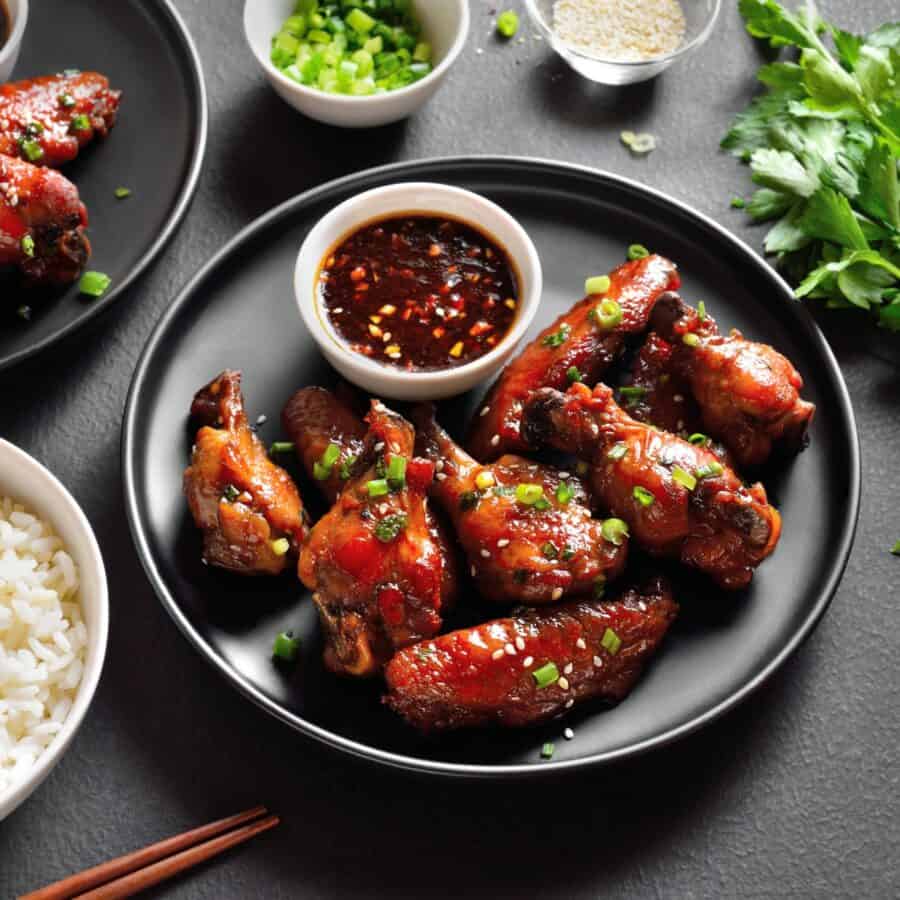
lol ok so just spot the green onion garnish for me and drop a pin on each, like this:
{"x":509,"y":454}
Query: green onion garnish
{"x":607,"y":314}
{"x":281,"y":447}
{"x":547,"y":750}
{"x":542,"y":504}
{"x":231,"y":493}
{"x":507,"y":23}
{"x":529,"y":494}
{"x":377,"y":487}
{"x":619,"y":451}
{"x":597,"y":284}
{"x":614,"y":531}
{"x":94,"y":284}
{"x":567,"y":553}
{"x":80,"y":123}
{"x":599,"y":587}
{"x":564,"y":492}
{"x":691,"y":339}
{"x":684,"y":478}
{"x":698,"y":439}
{"x":396,"y":473}
{"x":390,"y":526}
{"x":546,"y":675}
{"x":631,"y":392}
{"x":610,"y":642}
{"x":360,"y":22}
{"x":347,"y":467}
{"x":638,"y":251}
{"x":122,"y":193}
{"x":67,"y":101}
{"x":573,"y":374}
{"x":557,"y":338}
{"x":31,"y":149}
{"x":550,"y":550}
{"x":710,"y":471}
{"x":738,"y":202}
{"x":896,"y":549}
{"x":468,"y":500}
{"x":286,"y":646}
{"x":27,"y":244}
{"x":643,"y":496}
{"x":323,"y":467}
{"x":701,"y":311}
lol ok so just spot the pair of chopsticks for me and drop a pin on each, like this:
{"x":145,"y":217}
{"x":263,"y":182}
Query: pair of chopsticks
{"x":134,"y":872}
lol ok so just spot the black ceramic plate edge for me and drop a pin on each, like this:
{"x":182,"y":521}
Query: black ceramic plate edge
{"x":421,"y":169}
{"x":190,"y":187}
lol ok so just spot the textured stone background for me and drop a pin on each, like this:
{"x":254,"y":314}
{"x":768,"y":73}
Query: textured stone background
{"x":794,"y":794}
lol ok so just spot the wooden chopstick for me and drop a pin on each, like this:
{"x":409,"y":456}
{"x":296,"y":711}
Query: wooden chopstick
{"x":155,"y":863}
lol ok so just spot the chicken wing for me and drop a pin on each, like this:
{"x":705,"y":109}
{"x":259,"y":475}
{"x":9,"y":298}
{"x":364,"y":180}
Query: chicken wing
{"x":42,"y":222}
{"x":48,"y":120}
{"x":677,"y":497}
{"x":381,"y":570}
{"x":748,"y":393}
{"x":327,"y":435}
{"x":575,"y":341}
{"x":526,"y":528}
{"x":533,"y":666}
{"x":249,"y":510}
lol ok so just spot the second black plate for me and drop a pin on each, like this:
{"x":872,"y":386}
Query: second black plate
{"x":240,"y":313}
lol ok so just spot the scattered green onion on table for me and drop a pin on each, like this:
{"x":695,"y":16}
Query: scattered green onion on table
{"x":354,"y":47}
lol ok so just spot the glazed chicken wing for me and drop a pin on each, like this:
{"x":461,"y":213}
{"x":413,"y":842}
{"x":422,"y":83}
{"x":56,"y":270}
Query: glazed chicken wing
{"x":42,"y":222}
{"x":677,"y":498}
{"x":48,"y":120}
{"x":576,"y":339}
{"x":381,"y":570}
{"x":533,"y":666}
{"x":748,"y":393}
{"x":328,"y":437}
{"x":526,"y":528}
{"x":249,"y":510}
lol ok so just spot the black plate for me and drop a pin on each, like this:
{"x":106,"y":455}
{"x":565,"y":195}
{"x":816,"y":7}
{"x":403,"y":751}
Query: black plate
{"x":156,"y":149}
{"x":240,"y":312}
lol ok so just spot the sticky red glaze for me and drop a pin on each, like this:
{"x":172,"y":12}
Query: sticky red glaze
{"x":483,"y":675}
{"x":636,"y":286}
{"x":45,"y":207}
{"x":46,"y":110}
{"x":419,"y":293}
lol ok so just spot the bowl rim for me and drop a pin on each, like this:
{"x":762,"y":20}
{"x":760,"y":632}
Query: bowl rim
{"x":529,"y":295}
{"x":349,"y":100}
{"x":17,"y":33}
{"x":538,"y":19}
{"x":96,"y":655}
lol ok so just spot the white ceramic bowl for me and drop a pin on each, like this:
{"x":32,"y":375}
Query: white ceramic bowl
{"x":31,"y":484}
{"x":445,"y":25}
{"x":9,"y":52}
{"x":421,"y":198}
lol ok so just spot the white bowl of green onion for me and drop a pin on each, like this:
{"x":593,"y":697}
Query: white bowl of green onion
{"x":356,"y":63}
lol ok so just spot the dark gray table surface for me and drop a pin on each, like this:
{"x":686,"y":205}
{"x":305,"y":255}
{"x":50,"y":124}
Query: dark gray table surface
{"x":793,"y":794}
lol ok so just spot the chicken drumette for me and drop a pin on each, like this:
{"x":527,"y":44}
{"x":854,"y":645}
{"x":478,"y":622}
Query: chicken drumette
{"x":327,"y":435}
{"x":533,"y":666}
{"x":42,"y":222}
{"x":748,"y":393}
{"x":526,"y":528}
{"x":678,"y":498}
{"x":48,"y":120}
{"x":248,"y":508}
{"x":380,"y":568}
{"x":584,"y":340}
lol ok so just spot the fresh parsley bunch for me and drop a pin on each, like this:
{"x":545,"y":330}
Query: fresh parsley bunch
{"x":823,"y":144}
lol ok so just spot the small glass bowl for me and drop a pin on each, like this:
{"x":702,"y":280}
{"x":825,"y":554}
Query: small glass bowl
{"x":700,"y":17}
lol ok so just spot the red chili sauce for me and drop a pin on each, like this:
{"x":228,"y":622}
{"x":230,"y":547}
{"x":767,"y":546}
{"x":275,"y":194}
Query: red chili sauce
{"x":419,"y":292}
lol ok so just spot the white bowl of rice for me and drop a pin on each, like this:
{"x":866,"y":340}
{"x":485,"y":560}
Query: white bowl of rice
{"x":54,"y":618}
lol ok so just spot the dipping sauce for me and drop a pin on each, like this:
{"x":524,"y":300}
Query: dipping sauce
{"x":419,"y":292}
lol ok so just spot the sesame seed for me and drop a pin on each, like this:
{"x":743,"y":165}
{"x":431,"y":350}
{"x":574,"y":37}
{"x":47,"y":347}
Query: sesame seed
{"x":379,"y":447}
{"x":568,"y":669}
{"x":528,"y":661}
{"x":520,"y":643}
{"x":495,"y":440}
{"x":473,"y":570}
{"x":568,"y":734}
{"x":598,"y":662}
{"x":563,"y":683}
{"x":497,"y":654}
{"x":678,"y":398}
{"x":565,"y":474}
{"x":580,"y":644}
{"x":510,"y":650}
{"x":439,"y":466}
{"x":486,"y":553}
{"x":485,"y":411}
{"x":595,"y":428}
{"x":441,"y":476}
{"x":384,"y":509}
{"x":261,"y":419}
{"x":503,"y":542}
{"x":557,"y":593}
{"x":570,"y":703}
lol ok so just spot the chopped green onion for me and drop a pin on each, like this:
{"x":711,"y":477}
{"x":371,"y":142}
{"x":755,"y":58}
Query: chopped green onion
{"x":547,"y":750}
{"x":390,"y":526}
{"x":691,"y":339}
{"x":122,"y":193}
{"x":360,"y":22}
{"x":377,"y":487}
{"x":698,"y":439}
{"x":573,"y":374}
{"x":619,"y":451}
{"x":323,"y":467}
{"x":701,"y":311}
{"x":507,"y":23}
{"x":396,"y":472}
{"x":614,"y":531}
{"x":422,"y":53}
{"x":896,"y":549}
{"x":710,"y":471}
{"x":31,"y":149}
{"x":546,"y":675}
{"x":529,"y":494}
{"x":684,"y":478}
{"x":557,"y":338}
{"x":469,"y":500}
{"x":638,"y":251}
{"x":541,"y":504}
{"x":607,"y":314}
{"x":599,"y":587}
{"x":66,"y":101}
{"x":643,"y":496}
{"x":34,"y":129}
{"x":280,"y":547}
{"x":286,"y":646}
{"x":347,"y":467}
{"x":484,"y":480}
{"x":564,"y":492}
{"x":24,"y":312}
{"x":597,"y":284}
{"x":738,"y":202}
{"x":550,"y":550}
{"x":610,"y":642}
{"x":94,"y":284}
{"x":281,"y":447}
{"x":567,"y":553}
{"x":80,"y":123}
{"x":632,"y":392}
{"x":27,"y":244}
{"x":230,"y":493}
{"x":638,"y":143}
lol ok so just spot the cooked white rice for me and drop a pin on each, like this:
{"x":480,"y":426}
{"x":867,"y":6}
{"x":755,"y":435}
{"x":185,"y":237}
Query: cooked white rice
{"x":42,"y":639}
